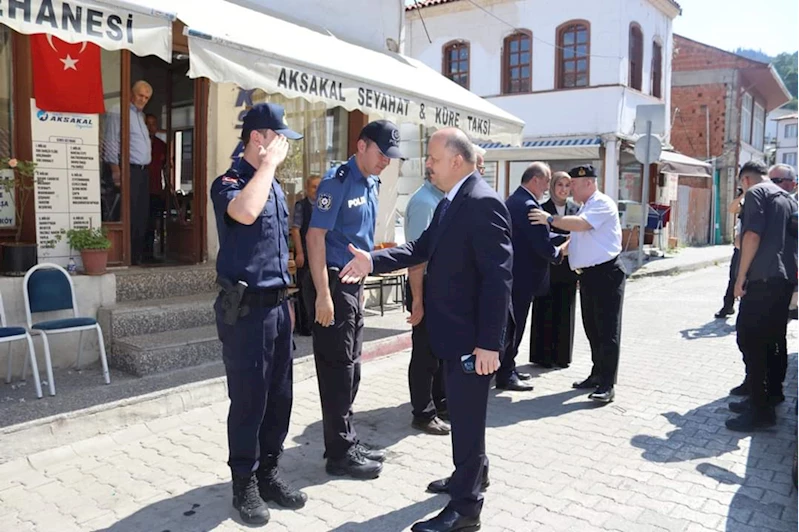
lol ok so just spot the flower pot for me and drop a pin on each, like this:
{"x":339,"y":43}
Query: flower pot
{"x":18,"y":258}
{"x":94,"y":261}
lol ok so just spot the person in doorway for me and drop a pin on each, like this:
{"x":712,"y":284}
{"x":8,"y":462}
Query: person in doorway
{"x":157,"y":187}
{"x":140,"y":156}
{"x":425,"y":371}
{"x":469,"y":257}
{"x":303,"y":209}
{"x":765,"y":282}
{"x":552,"y":330}
{"x":594,"y":255}
{"x":346,"y":210}
{"x":254,"y":317}
{"x":533,"y":252}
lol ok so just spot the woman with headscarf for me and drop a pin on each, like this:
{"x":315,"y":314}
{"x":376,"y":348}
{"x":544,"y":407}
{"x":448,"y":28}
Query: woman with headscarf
{"x":552,"y":331}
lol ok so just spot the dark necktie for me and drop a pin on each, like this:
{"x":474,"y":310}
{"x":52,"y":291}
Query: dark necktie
{"x":444,"y":206}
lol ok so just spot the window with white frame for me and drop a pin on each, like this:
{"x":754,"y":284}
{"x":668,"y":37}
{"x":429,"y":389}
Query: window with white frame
{"x":791,"y":131}
{"x":746,"y":118}
{"x":758,"y":127}
{"x":789,"y":158}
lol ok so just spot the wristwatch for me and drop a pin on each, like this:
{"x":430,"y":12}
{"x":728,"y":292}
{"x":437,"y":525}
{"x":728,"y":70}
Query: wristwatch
{"x":550,"y":219}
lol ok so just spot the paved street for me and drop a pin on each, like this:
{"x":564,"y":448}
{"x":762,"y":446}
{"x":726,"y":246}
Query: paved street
{"x":658,"y":459}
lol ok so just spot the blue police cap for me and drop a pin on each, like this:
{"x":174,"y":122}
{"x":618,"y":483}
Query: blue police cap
{"x":584,"y":170}
{"x":386,"y":135}
{"x":268,"y":116}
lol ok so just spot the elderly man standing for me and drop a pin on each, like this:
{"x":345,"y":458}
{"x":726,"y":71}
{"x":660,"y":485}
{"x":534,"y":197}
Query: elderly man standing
{"x":594,"y":254}
{"x":140,"y":157}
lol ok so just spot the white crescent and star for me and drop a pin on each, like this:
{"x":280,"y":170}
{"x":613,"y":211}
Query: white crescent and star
{"x":69,"y":62}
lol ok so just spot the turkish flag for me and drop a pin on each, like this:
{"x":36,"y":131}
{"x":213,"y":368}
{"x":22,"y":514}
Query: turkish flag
{"x":67,"y":77}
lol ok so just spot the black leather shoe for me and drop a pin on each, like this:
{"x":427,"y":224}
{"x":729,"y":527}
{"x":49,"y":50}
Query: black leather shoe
{"x":587,"y":384}
{"x":514,"y":385}
{"x":741,"y":390}
{"x":370,"y":453}
{"x":442,"y":485}
{"x":448,"y":521}
{"x":434,"y":426}
{"x":724,"y":312}
{"x":562,"y":366}
{"x":604,"y":394}
{"x":355,"y":465}
{"x":523,"y":376}
{"x":753,"y":419}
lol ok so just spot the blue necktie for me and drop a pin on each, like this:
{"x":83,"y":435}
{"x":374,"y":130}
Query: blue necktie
{"x":444,"y":206}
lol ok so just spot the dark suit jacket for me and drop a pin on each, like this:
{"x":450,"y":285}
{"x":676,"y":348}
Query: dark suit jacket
{"x":561,"y":273}
{"x":533,"y":251}
{"x":469,"y":271}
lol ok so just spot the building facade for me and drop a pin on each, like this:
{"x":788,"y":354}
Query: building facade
{"x":719,"y":104}
{"x":574,"y":74}
{"x":786,"y":145}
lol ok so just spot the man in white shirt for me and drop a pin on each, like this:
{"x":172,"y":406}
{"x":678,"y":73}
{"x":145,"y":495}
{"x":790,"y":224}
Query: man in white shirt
{"x":594,"y":254}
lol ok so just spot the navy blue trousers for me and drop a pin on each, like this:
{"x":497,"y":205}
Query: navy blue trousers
{"x":257,"y":355}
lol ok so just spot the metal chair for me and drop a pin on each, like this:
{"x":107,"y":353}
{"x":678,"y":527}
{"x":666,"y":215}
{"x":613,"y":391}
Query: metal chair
{"x":48,"y":288}
{"x":12,"y":334}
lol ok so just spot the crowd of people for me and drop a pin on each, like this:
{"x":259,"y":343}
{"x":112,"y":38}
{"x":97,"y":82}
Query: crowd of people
{"x":476,"y":267}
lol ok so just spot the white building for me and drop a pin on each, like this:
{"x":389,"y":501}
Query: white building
{"x":787,"y":127}
{"x":574,"y":71}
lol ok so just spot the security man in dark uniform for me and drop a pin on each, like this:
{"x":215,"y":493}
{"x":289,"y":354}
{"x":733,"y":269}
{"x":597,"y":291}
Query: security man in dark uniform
{"x":303,"y":209}
{"x":253,"y":315}
{"x":345,"y":213}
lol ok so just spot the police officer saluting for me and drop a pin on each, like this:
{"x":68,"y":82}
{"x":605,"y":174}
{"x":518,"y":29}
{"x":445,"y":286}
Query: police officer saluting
{"x":345,"y":213}
{"x":253,"y":315}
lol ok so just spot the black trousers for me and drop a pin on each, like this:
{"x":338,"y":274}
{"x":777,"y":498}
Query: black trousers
{"x":552,"y":329}
{"x":761,"y":326}
{"x":522,"y":301}
{"x":139,"y":210}
{"x":306,"y":302}
{"x":425,"y":376}
{"x":258,"y":364}
{"x":601,"y":298}
{"x":467,"y":395}
{"x":337,"y":353}
{"x":729,"y":295}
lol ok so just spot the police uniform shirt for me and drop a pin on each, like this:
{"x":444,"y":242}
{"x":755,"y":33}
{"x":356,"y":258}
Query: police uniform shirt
{"x":602,"y":242}
{"x":346,"y":207}
{"x":256,"y":254}
{"x":768,"y":211}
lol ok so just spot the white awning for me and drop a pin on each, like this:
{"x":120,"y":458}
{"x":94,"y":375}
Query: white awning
{"x":545,"y":149}
{"x":111,"y":24}
{"x":258,"y":51}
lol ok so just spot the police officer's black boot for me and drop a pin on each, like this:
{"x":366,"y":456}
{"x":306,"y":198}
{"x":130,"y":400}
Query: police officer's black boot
{"x":274,"y":488}
{"x":247,"y":501}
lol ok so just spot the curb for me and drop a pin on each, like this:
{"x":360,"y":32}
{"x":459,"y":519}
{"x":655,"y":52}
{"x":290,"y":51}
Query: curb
{"x":49,"y":440}
{"x":640,"y":274}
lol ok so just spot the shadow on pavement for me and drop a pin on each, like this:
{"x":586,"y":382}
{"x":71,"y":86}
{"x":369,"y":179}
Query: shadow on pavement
{"x":396,"y":520}
{"x":713,"y":329}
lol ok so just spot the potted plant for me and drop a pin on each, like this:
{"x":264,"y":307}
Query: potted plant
{"x":93,"y":245}
{"x":17,"y":182}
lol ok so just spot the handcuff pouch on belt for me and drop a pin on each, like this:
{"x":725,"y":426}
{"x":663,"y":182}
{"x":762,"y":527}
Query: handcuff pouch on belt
{"x":232,"y":300}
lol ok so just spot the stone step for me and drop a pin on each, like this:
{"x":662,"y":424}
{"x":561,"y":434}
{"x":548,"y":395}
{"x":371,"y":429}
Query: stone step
{"x":151,"y":353}
{"x":137,"y":284}
{"x":135,"y":318}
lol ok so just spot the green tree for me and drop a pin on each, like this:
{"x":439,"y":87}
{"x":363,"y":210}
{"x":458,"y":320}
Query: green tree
{"x":786,"y":66}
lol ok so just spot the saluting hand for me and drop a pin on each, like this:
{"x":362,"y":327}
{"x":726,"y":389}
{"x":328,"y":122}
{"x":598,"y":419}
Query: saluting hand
{"x":486,"y":362}
{"x":359,"y":267}
{"x":538,"y":217}
{"x":275,"y":152}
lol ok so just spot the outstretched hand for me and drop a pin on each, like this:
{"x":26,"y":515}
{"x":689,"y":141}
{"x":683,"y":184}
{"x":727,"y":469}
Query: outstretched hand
{"x":358,"y":268}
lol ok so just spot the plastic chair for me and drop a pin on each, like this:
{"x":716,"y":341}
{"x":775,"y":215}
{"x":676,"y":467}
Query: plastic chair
{"x":47,"y":288}
{"x":12,"y":334}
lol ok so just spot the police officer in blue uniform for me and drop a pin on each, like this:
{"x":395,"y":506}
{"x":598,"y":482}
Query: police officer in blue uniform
{"x":345,"y":213}
{"x":253,"y":315}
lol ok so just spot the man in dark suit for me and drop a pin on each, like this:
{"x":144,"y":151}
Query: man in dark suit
{"x":466,"y":297}
{"x":533,"y":252}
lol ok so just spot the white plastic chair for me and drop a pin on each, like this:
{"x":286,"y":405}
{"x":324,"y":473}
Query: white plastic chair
{"x":12,"y":334}
{"x":47,"y":288}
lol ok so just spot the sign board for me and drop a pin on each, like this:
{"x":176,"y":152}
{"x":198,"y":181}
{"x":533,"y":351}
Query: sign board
{"x":66,"y":150}
{"x":655,"y":147}
{"x":651,"y":113}
{"x":8,"y":216}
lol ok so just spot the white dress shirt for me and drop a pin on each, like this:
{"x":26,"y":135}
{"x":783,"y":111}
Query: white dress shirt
{"x":601,"y":243}
{"x":454,"y":191}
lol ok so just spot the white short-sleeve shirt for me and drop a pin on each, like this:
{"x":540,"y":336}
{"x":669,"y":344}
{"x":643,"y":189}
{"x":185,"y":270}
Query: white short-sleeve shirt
{"x":601,"y":243}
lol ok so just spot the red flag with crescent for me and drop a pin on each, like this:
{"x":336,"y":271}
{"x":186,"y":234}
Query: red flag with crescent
{"x":67,"y":77}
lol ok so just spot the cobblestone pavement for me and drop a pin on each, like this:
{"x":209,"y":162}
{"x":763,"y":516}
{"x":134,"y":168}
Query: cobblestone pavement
{"x":658,"y":459}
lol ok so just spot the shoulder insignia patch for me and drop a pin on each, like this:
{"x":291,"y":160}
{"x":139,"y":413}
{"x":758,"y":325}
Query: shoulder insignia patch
{"x":324,"y":202}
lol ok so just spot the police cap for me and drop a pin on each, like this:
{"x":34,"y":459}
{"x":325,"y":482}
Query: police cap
{"x":268,"y":116}
{"x":386,"y":135}
{"x":584,"y":170}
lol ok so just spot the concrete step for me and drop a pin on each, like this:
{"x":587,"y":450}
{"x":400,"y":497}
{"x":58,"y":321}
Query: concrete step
{"x":135,"y":318}
{"x":137,"y":284}
{"x":147,"y":354}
